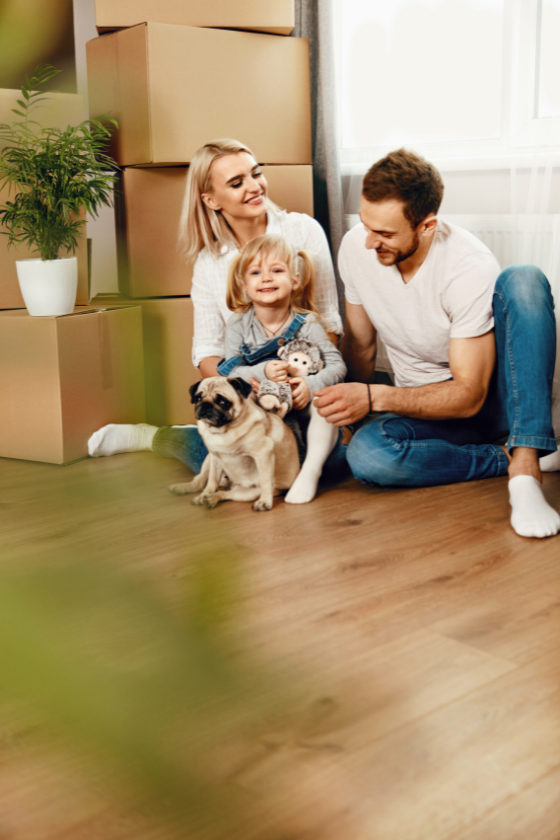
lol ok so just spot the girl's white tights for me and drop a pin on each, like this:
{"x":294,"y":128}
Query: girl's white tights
{"x":321,"y":439}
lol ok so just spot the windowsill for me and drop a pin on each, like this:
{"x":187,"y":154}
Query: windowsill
{"x":358,"y":161}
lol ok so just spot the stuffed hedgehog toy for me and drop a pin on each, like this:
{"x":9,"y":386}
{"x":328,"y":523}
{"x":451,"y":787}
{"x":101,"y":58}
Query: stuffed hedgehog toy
{"x":303,"y":358}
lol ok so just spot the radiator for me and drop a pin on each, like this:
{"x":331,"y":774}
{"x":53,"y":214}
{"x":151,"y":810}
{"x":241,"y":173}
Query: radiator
{"x":531,"y":239}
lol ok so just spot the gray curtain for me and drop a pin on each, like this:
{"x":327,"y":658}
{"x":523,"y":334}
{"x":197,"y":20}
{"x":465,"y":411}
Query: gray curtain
{"x":314,"y":20}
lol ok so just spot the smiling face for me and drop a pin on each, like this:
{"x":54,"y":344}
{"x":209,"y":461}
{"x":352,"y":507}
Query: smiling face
{"x":267,"y":281}
{"x":239,"y":188}
{"x":389,"y":233}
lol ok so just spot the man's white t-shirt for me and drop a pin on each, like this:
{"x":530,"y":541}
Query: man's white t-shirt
{"x":449,"y":297}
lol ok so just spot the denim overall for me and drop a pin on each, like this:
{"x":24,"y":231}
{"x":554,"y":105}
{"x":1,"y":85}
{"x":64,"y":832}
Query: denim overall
{"x":263,"y":353}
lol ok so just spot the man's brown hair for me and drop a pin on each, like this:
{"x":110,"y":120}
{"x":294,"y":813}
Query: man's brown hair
{"x":407,"y":177}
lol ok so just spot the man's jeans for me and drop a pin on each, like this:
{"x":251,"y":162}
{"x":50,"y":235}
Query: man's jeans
{"x":402,"y":451}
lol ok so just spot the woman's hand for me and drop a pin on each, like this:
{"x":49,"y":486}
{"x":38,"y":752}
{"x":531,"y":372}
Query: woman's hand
{"x":301,"y":395}
{"x":276,"y":371}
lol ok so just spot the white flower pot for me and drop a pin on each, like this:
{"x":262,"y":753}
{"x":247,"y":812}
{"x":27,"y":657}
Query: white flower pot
{"x":49,"y":287}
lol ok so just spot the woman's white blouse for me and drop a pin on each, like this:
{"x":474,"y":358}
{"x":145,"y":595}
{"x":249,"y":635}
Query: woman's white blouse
{"x":209,"y":283}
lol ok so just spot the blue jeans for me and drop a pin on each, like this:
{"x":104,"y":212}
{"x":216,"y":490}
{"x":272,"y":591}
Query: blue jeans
{"x":401,"y":451}
{"x":185,"y":444}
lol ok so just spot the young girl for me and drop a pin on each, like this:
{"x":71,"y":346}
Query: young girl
{"x":273,"y":304}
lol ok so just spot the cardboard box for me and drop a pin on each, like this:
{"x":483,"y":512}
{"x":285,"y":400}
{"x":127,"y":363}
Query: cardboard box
{"x":63,"y":378}
{"x":167,"y":325}
{"x":174,"y":88}
{"x":59,"y":111}
{"x":291,"y":187}
{"x":148,"y":209}
{"x":275,"y":16}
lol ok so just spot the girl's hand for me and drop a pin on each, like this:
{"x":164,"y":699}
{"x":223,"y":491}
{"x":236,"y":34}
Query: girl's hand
{"x":301,"y":395}
{"x":276,"y":371}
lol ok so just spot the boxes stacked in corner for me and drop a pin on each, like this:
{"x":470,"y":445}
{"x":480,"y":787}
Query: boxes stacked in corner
{"x":146,"y":72}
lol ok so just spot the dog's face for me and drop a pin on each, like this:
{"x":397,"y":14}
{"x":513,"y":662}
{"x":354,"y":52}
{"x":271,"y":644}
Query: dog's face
{"x":218,"y":401}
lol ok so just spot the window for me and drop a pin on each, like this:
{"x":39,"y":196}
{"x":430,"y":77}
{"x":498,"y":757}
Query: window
{"x":467,"y":83}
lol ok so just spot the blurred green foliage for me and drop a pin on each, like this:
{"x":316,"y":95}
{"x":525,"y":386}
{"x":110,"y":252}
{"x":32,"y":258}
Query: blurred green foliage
{"x":155,"y":692}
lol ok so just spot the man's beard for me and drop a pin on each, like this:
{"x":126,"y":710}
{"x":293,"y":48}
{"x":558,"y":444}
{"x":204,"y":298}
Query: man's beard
{"x":401,"y":256}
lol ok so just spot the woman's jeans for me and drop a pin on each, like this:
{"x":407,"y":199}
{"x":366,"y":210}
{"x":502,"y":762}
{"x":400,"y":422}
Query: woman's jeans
{"x":185,"y":444}
{"x":401,"y":451}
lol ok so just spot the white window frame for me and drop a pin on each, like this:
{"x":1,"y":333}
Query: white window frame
{"x":524,"y":138}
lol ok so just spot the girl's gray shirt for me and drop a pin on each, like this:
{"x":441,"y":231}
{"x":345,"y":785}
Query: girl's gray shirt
{"x":247,"y":329}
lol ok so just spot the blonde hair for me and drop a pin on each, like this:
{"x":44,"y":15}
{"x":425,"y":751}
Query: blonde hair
{"x":302,"y":296}
{"x":200,"y":226}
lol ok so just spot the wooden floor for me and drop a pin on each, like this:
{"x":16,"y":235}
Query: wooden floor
{"x":432,"y":629}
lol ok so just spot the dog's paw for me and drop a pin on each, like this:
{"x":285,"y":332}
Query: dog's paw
{"x":208,"y":501}
{"x":260,"y":504}
{"x":211,"y":500}
{"x":180,"y":489}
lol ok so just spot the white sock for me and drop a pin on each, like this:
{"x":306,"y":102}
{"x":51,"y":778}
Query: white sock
{"x":531,"y":515}
{"x":321,"y":438}
{"x":551,"y":462}
{"x":112,"y":439}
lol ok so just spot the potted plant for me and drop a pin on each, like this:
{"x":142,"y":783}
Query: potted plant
{"x":54,"y":176}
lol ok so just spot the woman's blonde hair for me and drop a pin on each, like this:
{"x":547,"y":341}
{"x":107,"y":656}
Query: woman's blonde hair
{"x":200,"y":226}
{"x":262,"y":246}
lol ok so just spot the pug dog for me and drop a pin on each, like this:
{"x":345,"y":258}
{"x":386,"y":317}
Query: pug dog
{"x":252,"y":454}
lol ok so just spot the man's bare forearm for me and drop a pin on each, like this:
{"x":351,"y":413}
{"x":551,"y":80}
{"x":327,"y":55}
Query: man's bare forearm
{"x":360,"y":361}
{"x":440,"y":401}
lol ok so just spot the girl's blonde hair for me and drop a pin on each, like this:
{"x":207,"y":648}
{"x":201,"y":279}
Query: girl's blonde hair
{"x":262,"y":246}
{"x":200,"y":226}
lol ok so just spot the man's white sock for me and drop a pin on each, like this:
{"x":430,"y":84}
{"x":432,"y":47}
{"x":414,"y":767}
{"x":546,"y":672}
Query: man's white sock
{"x":531,"y":515}
{"x":551,"y":462}
{"x":113,"y":439}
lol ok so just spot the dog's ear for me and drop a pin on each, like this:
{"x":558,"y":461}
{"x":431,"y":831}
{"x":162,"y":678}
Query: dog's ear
{"x":241,"y":386}
{"x":193,"y":390}
{"x":281,"y":351}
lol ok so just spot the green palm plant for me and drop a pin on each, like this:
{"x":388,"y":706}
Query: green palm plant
{"x":53,"y":175}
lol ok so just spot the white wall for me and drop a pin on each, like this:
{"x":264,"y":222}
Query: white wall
{"x":100,"y":230}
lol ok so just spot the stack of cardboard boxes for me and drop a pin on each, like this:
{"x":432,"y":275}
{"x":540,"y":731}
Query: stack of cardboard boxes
{"x":177,"y":74}
{"x":62,"y":378}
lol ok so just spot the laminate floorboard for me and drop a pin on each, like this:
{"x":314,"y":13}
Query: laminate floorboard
{"x":420,"y":633}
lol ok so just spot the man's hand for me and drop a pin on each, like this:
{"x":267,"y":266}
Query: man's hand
{"x":276,"y":370}
{"x":343,"y":404}
{"x":471,"y":361}
{"x":301,"y":395}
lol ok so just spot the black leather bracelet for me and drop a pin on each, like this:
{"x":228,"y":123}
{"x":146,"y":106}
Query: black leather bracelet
{"x":369,"y":397}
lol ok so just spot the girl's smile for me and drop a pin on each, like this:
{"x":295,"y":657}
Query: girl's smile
{"x":268,"y":280}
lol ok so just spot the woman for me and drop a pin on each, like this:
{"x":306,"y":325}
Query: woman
{"x":226,"y":205}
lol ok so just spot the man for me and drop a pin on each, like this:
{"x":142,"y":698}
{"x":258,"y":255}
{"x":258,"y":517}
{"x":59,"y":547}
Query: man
{"x":472,"y":350}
